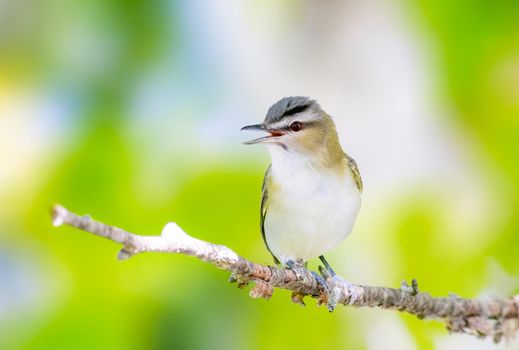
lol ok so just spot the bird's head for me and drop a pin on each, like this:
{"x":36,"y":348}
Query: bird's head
{"x":298,"y":124}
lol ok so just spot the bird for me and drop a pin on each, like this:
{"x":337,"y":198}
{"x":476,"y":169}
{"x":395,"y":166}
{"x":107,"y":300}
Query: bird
{"x":311,"y":191}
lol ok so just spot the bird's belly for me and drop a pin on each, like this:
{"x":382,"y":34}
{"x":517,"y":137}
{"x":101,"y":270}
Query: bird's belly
{"x":303,"y":223}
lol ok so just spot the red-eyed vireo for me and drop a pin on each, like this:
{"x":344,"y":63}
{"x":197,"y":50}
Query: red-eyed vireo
{"x":311,"y":191}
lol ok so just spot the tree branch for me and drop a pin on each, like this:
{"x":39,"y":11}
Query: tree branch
{"x":495,"y":318}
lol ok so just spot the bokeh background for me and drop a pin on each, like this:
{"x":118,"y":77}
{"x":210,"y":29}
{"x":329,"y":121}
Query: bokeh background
{"x":130,"y":111}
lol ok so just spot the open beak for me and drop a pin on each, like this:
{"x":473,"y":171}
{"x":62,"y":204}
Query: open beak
{"x":261,"y":127}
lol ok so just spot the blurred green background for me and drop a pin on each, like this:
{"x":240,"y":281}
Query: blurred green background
{"x":130,"y":111}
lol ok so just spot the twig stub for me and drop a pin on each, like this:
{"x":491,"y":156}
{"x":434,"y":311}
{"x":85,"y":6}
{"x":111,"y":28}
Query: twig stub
{"x":494,"y":318}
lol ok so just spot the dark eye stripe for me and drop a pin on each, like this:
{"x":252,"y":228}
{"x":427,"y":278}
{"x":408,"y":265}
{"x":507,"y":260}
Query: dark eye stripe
{"x":305,"y":125}
{"x":296,"y":109}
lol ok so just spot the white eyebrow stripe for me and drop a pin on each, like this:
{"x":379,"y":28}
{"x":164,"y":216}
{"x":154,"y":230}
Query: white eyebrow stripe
{"x":286,"y":121}
{"x":280,"y":124}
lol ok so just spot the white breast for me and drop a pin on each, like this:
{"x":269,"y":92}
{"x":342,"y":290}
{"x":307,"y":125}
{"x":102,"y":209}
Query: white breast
{"x":311,"y":211}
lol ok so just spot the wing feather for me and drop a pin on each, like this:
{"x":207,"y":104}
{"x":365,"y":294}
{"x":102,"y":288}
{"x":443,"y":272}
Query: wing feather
{"x":264,"y":207}
{"x":352,"y":164}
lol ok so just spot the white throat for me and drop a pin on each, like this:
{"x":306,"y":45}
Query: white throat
{"x":288,"y":166}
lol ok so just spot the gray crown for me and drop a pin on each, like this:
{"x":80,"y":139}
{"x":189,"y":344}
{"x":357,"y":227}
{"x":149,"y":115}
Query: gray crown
{"x":288,"y":106}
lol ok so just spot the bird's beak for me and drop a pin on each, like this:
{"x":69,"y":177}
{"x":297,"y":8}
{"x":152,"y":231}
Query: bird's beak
{"x":261,"y":127}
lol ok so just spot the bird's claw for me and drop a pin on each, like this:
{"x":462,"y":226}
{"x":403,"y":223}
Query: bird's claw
{"x":296,"y":267}
{"x":290,"y":265}
{"x":334,"y":290}
{"x":320,"y":281}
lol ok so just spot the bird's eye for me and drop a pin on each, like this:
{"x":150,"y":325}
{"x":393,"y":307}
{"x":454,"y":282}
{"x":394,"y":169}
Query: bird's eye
{"x":296,"y":126}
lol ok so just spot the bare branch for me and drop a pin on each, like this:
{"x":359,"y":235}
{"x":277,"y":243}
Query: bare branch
{"x":493,"y":317}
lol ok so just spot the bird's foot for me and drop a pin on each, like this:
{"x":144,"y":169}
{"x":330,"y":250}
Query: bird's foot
{"x":327,"y":266}
{"x":294,"y":264}
{"x":298,"y":267}
{"x":336,"y":286}
{"x":330,"y":285}
{"x":329,"y":295}
{"x":321,"y":282}
{"x":290,"y":265}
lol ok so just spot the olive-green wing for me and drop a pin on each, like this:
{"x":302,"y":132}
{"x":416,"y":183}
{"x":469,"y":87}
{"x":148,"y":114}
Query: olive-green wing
{"x":352,"y":164}
{"x":264,"y":207}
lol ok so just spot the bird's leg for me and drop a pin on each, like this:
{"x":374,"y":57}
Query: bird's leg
{"x":297,"y":265}
{"x":333,"y":292}
{"x":328,"y":267}
{"x":320,"y":280}
{"x":290,"y":265}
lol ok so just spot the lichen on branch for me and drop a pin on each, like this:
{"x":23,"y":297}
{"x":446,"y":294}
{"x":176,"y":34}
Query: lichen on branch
{"x":492,"y":317}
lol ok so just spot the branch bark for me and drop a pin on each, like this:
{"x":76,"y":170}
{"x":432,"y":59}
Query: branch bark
{"x":491,"y":317}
